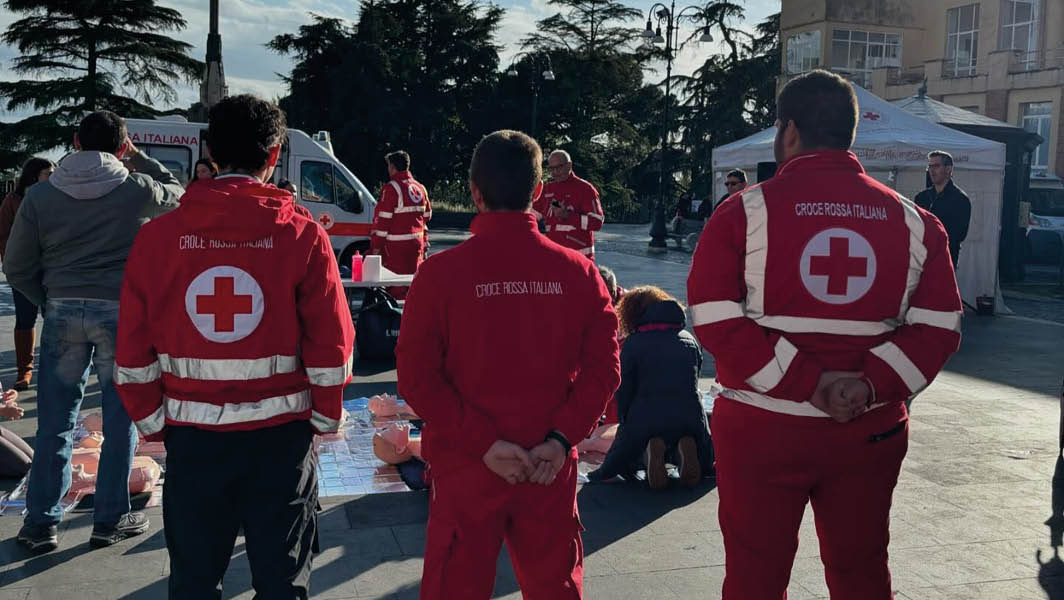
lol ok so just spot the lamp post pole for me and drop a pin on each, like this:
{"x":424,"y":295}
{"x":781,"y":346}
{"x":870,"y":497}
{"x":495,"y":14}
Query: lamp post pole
{"x":534,"y":80}
{"x":668,"y":16}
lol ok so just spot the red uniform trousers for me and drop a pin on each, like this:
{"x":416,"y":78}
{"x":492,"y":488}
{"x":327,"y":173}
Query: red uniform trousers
{"x":403,"y":257}
{"x":769,"y":465}
{"x":473,"y":510}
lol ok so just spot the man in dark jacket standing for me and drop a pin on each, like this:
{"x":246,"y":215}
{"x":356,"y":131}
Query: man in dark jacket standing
{"x":67,"y":251}
{"x":946,"y":201}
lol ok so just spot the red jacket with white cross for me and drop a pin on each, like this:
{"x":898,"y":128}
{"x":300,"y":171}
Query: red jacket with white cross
{"x":233,"y":315}
{"x":402,"y":212}
{"x":822,"y":268}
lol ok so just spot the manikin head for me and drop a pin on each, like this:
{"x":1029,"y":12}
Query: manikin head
{"x":816,"y":111}
{"x":506,"y":173}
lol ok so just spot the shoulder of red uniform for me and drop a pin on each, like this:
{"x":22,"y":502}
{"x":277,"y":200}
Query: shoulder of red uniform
{"x":584,"y":183}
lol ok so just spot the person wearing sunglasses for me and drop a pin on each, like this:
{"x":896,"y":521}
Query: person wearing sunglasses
{"x":734,"y":182}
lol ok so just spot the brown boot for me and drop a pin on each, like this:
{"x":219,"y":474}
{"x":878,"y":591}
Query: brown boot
{"x":24,"y":357}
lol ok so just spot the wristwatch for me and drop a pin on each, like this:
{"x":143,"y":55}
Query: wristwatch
{"x":560,"y":438}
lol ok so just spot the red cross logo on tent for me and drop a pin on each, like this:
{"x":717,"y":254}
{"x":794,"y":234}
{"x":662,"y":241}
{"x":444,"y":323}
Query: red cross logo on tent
{"x":325,"y":220}
{"x":871,"y":116}
{"x":838,"y":266}
{"x":224,"y":303}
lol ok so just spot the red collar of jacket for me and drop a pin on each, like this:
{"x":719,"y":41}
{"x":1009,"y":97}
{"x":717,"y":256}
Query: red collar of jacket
{"x":813,"y":161}
{"x":497,"y":222}
{"x":401,"y":176}
{"x":235,"y":208}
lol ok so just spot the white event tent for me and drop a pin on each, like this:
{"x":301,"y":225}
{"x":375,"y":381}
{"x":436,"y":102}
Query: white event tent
{"x":892,"y":144}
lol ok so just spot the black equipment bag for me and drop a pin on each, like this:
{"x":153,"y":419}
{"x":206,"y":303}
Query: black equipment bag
{"x":377,"y":325}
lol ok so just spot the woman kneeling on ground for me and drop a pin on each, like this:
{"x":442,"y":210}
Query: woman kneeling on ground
{"x":658,"y":403}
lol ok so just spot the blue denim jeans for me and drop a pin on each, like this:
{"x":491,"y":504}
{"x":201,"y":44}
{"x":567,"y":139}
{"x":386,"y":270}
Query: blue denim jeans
{"x":77,"y":332}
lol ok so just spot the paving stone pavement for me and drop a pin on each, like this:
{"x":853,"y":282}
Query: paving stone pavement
{"x":967,"y":522}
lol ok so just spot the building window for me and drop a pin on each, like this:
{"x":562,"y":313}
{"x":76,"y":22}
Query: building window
{"x":1038,"y":118}
{"x":1019,"y":30}
{"x":803,"y":52}
{"x":858,"y":52}
{"x":962,"y":41}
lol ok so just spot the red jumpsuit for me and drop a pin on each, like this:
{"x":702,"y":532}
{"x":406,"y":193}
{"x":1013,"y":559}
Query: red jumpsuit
{"x":585,"y":214}
{"x":399,"y":232}
{"x":819,"y":269}
{"x":479,"y":362}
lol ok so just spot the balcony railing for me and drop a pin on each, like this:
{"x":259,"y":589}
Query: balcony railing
{"x":906,"y":76}
{"x":1022,"y":62}
{"x":861,"y":77}
{"x":954,"y":69}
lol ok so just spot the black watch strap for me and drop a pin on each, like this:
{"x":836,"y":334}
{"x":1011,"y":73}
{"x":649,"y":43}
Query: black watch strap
{"x":557,"y":435}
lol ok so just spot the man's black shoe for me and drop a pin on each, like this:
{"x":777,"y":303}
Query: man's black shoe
{"x":129,"y":525}
{"x":39,"y":538}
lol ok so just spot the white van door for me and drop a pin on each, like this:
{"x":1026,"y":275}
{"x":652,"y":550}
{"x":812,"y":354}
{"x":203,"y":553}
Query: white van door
{"x":335,"y":202}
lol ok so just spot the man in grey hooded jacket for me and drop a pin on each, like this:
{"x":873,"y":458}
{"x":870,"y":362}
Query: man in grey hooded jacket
{"x":67,"y":251}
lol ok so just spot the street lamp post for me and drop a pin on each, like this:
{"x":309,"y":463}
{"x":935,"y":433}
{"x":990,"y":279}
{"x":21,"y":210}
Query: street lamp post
{"x":668,"y":16}
{"x":547,"y":74}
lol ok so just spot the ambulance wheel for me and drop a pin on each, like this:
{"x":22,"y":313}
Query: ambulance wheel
{"x":345,"y":256}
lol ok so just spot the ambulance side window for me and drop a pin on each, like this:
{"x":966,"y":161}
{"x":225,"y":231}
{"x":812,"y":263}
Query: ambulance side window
{"x":177,"y":159}
{"x":316,"y":182}
{"x":347,"y":197}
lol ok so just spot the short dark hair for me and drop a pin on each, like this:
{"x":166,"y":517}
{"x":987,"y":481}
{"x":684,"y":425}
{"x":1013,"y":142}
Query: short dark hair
{"x":506,"y":168}
{"x":398,"y":159}
{"x":947,"y":158}
{"x":31,"y":172}
{"x":242,"y":130}
{"x":738,"y":174}
{"x":102,"y":131}
{"x":823,"y":106}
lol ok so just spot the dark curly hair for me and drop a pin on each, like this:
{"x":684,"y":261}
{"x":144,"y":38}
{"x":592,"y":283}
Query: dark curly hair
{"x":242,"y":130}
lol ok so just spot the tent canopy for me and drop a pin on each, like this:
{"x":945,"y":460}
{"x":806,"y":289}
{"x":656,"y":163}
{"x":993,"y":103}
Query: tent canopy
{"x":892,"y":144}
{"x":887,"y":136}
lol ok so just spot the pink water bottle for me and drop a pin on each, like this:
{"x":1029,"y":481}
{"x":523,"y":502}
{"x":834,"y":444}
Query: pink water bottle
{"x":356,"y":267}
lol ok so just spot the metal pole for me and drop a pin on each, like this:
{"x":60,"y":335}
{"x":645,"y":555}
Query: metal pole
{"x":657,"y":228}
{"x":535,"y":102}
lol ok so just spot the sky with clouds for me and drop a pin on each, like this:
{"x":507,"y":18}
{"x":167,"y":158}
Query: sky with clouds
{"x":247,"y":24}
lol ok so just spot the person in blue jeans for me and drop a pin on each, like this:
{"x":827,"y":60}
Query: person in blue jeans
{"x":67,"y":251}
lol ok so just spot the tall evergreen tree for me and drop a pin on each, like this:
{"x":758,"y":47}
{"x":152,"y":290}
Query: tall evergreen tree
{"x":96,"y":55}
{"x":412,"y":74}
{"x":731,"y":96}
{"x":598,"y":108}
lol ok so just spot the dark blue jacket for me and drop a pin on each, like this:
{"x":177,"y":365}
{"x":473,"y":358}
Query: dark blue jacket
{"x":658,"y":396}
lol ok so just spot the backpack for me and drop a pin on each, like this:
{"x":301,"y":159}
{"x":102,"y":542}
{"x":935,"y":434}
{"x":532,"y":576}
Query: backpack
{"x":377,"y":325}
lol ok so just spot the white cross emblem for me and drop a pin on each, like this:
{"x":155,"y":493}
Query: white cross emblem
{"x":838,"y":266}
{"x":225,"y":304}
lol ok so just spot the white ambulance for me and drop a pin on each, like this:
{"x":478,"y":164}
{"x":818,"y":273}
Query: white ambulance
{"x":327,"y":188}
